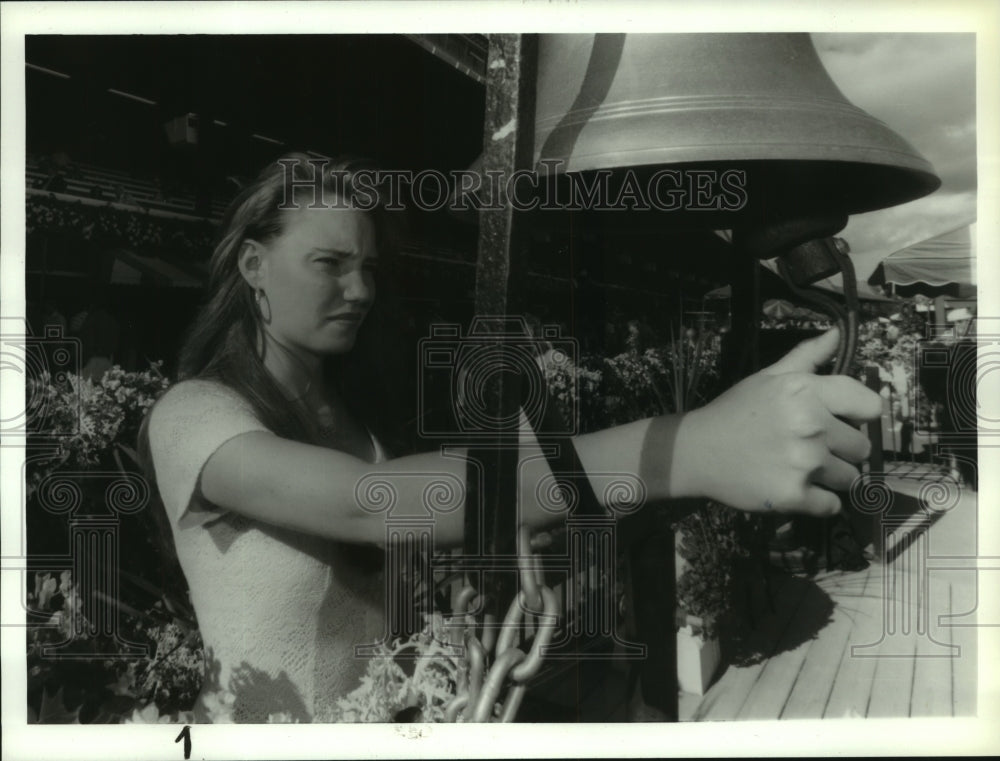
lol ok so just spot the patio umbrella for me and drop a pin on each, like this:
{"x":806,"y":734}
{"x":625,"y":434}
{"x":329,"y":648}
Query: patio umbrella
{"x":722,"y":292}
{"x":781,"y":309}
{"x":941,"y":265}
{"x":778,"y":309}
{"x":129,"y":268}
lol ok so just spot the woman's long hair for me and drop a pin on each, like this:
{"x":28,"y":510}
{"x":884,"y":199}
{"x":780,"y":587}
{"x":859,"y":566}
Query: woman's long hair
{"x":223,"y":343}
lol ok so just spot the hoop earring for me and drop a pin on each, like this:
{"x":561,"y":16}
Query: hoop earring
{"x":263,"y":305}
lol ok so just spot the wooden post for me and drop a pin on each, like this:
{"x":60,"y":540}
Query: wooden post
{"x":876,"y":464}
{"x":741,"y":349}
{"x":940,"y":313}
{"x":654,"y":591}
{"x":501,"y":276}
{"x":875,"y":461}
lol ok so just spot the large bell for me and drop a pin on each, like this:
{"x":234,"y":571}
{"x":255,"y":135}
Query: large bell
{"x":758,"y":103}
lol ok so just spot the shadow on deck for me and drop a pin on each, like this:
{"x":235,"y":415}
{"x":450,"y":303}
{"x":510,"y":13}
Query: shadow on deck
{"x":897,"y":639}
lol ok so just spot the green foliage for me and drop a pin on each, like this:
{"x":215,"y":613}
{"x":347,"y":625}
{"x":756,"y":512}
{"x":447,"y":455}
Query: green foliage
{"x":642,"y":381}
{"x":91,"y":422}
{"x":415,"y":678}
{"x":77,"y":677}
{"x":720,"y":546}
{"x":74,"y":675}
{"x":892,"y":346}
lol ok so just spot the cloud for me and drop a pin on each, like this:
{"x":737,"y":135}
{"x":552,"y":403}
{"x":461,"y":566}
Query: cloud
{"x":922,"y":85}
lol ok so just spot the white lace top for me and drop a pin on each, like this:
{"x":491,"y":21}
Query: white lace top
{"x":280,"y":612}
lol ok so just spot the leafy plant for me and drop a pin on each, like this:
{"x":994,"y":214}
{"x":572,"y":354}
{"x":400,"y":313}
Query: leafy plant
{"x":690,"y":362}
{"x":718,"y":543}
{"x":721,"y":546}
{"x":73,"y":674}
{"x":892,"y":346}
{"x":642,"y":381}
{"x":91,"y":423}
{"x":413,"y":680}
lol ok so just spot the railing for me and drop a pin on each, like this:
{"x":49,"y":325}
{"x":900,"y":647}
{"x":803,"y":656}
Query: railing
{"x":88,"y":201}
{"x":101,"y":185}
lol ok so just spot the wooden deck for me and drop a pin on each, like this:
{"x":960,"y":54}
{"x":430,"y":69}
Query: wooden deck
{"x":897,"y":639}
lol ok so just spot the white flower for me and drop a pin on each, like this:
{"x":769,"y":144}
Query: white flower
{"x":49,"y":587}
{"x":148,"y":715}
{"x":219,"y":706}
{"x":282,"y":717}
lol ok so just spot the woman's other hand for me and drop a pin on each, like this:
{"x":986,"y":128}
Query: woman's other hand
{"x":777,"y":440}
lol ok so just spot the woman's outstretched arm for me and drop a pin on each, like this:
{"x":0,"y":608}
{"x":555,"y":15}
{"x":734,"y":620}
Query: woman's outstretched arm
{"x":775,"y":441}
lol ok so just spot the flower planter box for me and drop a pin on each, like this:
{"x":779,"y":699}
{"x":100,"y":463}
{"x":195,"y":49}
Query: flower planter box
{"x":698,"y":659}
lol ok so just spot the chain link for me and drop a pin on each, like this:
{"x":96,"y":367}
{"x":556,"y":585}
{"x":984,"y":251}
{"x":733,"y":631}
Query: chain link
{"x":501,"y":667}
{"x":514,"y":697}
{"x":477,"y":665}
{"x":477,"y":692}
{"x":455,"y":707}
{"x":531,"y":577}
{"x":548,"y":622}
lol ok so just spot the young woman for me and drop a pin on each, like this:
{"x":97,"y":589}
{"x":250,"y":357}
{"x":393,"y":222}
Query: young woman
{"x":259,"y":448}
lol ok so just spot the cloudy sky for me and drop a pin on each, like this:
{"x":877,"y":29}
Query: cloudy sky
{"x":923,"y":86}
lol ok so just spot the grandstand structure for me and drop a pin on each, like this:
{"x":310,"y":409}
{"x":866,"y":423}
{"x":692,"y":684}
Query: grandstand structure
{"x":136,"y":144}
{"x":92,"y":184}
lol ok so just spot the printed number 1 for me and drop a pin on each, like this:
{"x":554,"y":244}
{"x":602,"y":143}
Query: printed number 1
{"x":186,"y":736}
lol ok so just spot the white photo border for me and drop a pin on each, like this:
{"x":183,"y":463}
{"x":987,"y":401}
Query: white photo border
{"x":794,"y":738}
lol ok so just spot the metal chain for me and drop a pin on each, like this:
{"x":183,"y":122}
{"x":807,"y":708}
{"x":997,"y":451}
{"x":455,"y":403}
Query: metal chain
{"x":477,"y":692}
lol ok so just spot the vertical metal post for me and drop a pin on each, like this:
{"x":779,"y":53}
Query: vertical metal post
{"x":940,"y":310}
{"x":877,"y":466}
{"x":654,"y":590}
{"x":742,"y":350}
{"x":501,"y":269}
{"x":892,"y":421}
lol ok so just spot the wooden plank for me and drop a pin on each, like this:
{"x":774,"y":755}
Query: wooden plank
{"x":965,"y":673}
{"x":846,"y":584}
{"x":814,"y":684}
{"x":780,"y":673}
{"x":725,"y":699}
{"x":835,"y":682}
{"x":853,"y":682}
{"x":956,"y":535}
{"x":892,"y":684}
{"x":932,"y":675}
